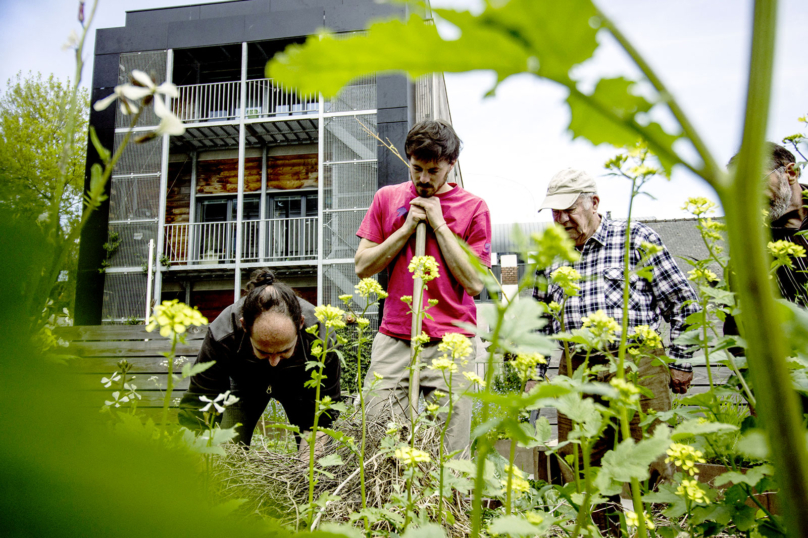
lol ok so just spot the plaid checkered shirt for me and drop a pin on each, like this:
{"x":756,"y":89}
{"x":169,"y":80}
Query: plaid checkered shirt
{"x":667,"y":296}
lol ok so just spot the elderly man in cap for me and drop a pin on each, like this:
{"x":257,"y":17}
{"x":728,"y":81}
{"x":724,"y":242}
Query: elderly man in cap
{"x":572,"y":196}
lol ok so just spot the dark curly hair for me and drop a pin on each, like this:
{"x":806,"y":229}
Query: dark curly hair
{"x":780,"y":156}
{"x":265,"y":294}
{"x":433,"y":140}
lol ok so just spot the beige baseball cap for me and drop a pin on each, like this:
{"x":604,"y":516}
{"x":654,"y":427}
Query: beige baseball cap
{"x":565,"y":187}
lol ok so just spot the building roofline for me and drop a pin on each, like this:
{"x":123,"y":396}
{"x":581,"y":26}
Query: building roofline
{"x":184,"y":5}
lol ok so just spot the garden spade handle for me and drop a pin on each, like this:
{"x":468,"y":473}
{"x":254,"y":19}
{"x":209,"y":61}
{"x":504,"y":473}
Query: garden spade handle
{"x":417,"y":300}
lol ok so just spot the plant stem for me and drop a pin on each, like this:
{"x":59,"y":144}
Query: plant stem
{"x":169,"y":381}
{"x":511,"y":457}
{"x":712,"y":170}
{"x":584,"y":510}
{"x":360,"y":389}
{"x":705,"y":344}
{"x":483,"y":445}
{"x":778,"y":407}
{"x":313,"y":436}
{"x":440,"y":446}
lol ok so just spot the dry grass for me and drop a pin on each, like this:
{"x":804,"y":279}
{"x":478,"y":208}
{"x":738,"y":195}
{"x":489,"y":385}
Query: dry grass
{"x":276,"y":484}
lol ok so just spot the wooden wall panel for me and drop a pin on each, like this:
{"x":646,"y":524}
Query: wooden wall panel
{"x":178,"y":197}
{"x":292,"y":171}
{"x":283,"y":172}
{"x":221,"y":176}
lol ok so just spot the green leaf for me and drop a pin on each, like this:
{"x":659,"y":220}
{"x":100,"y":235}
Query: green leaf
{"x":631,"y":460}
{"x":221,"y":436}
{"x":754,"y":444}
{"x":189,"y":371}
{"x":330,"y":461}
{"x":513,"y":526}
{"x":341,"y":529}
{"x":667,"y":495}
{"x":750,"y":478}
{"x":96,"y":195}
{"x":608,"y":115}
{"x":722,"y":297}
{"x":464,"y":466}
{"x":743,"y":517}
{"x":103,"y":152}
{"x":691,"y":428}
{"x":228,"y":507}
{"x":429,"y":530}
{"x":326,"y":64}
{"x":544,"y":431}
{"x":719,"y":513}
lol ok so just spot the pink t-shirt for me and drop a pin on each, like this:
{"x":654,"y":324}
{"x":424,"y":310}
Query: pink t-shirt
{"x":467,"y":216}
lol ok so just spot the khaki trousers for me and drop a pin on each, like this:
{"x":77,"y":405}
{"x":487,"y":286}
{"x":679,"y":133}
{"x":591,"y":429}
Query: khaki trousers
{"x":390,"y":358}
{"x":654,"y":377}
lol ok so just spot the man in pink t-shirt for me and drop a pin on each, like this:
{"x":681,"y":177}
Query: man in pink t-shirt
{"x":388,"y":243}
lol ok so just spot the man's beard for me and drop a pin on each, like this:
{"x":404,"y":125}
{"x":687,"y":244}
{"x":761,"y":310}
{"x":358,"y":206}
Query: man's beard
{"x":780,"y":200}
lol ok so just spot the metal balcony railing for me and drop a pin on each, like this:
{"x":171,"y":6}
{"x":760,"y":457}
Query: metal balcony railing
{"x":221,"y":101}
{"x":270,"y":240}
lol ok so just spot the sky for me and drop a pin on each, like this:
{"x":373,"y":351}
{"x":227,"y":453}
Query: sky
{"x":517,"y":140}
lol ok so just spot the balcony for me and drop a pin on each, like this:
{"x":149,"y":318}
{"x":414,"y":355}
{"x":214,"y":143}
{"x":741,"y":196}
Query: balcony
{"x":221,"y":101}
{"x":269,"y":240}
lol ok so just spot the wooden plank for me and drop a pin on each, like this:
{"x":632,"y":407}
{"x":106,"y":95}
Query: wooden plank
{"x":131,"y":348}
{"x":148,"y":398}
{"x":120,"y":332}
{"x":106,"y":365}
{"x":143,"y":382}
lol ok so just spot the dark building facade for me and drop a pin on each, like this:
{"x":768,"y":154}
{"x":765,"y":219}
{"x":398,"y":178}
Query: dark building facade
{"x":262,"y":177}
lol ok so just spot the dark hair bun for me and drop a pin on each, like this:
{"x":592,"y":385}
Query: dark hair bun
{"x":261,"y":277}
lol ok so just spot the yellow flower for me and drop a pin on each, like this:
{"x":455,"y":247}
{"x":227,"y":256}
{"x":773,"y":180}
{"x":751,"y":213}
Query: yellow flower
{"x":377,"y":376}
{"x":411,"y":456}
{"x":554,"y":242}
{"x":422,"y":339}
{"x":432,"y":408}
{"x":443,"y":364}
{"x":648,"y":336}
{"x":567,"y":278}
{"x":783,"y":251}
{"x":633,"y":521}
{"x":554,"y":307}
{"x":424,"y":267}
{"x":643,"y":171}
{"x":711,"y":229}
{"x":702,"y":274}
{"x":346,"y":298}
{"x":456,"y":345}
{"x":603,"y":327}
{"x":686,"y":457}
{"x":368,"y":287}
{"x":651,"y":249}
{"x":698,"y":206}
{"x":534,"y":518}
{"x":432,"y":302}
{"x":525,"y":365}
{"x":407,"y":299}
{"x":174,"y":317}
{"x":438,"y":394}
{"x":331,"y":316}
{"x":689,"y":489}
{"x":519,"y":485}
{"x":363,"y":322}
{"x":474,"y":378}
{"x":629,"y":392}
{"x":316,"y":350}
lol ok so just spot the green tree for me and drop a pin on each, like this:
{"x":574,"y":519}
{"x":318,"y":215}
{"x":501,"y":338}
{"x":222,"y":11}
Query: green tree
{"x":35,"y":174}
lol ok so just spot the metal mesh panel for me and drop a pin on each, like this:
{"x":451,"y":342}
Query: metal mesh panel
{"x":154,"y":65}
{"x":124,"y":296}
{"x":135,"y":197}
{"x":133,"y":250}
{"x":345,"y":140}
{"x":139,"y":158}
{"x":339,"y":233}
{"x":349,"y":185}
{"x":340,"y":279}
{"x":360,"y":94}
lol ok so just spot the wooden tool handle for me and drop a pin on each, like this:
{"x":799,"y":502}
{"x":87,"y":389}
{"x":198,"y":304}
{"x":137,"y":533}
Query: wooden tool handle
{"x":417,"y":293}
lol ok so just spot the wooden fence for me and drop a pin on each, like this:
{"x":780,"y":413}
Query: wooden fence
{"x":100,"y":348}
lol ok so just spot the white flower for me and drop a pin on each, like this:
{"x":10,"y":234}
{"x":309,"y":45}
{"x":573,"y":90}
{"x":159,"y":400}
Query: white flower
{"x":72,"y":41}
{"x":132,"y":394}
{"x":117,"y":399}
{"x":220,"y":402}
{"x":108,"y":381}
